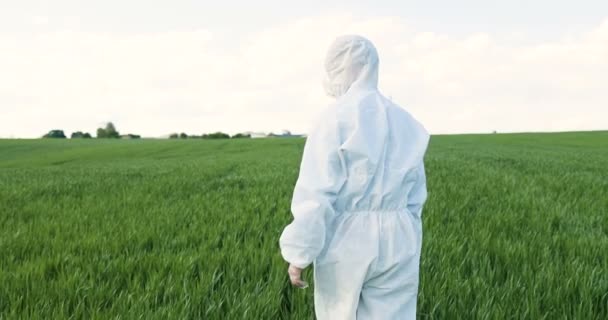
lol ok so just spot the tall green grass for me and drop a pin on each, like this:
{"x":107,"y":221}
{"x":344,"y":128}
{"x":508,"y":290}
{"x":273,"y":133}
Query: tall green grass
{"x":515,"y":227}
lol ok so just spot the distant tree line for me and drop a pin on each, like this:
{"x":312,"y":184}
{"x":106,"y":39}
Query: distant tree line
{"x":110,"y":132}
{"x":80,"y":134}
{"x":215,"y":135}
{"x":107,"y":132}
{"x":55,"y":134}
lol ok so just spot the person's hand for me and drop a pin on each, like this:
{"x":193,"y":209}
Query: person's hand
{"x":295,"y":276}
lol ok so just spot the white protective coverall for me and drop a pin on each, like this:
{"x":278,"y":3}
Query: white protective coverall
{"x":358,"y":200}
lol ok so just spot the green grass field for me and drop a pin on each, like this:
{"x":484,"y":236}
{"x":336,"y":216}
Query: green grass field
{"x":515,"y":227}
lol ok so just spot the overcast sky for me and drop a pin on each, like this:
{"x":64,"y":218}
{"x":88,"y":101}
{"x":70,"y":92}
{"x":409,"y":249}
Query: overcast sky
{"x":156,"y":67}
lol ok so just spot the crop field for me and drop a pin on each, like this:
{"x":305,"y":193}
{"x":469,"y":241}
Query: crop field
{"x":515,"y":227}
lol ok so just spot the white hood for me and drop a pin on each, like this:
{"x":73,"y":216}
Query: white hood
{"x":352,"y":61}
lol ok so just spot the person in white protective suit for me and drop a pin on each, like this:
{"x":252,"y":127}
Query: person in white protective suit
{"x":358,"y":200}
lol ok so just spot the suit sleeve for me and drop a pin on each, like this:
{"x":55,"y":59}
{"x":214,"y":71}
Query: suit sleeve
{"x":417,"y":196}
{"x":322,"y":175}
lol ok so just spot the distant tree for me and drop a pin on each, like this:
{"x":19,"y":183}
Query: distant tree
{"x":241,"y":135}
{"x":183,"y":135}
{"x":108,"y":132}
{"x":80,"y":135}
{"x":55,"y":134}
{"x":216,"y":135}
{"x":173,"y":136}
{"x":111,"y":131}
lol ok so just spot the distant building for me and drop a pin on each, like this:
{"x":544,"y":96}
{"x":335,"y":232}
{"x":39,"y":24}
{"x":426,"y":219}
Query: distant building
{"x":256,"y":134}
{"x":286,"y":134}
{"x":130,"y":136}
{"x":283,"y":134}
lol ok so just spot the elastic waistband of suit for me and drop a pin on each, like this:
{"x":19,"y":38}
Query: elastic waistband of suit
{"x":376,"y":211}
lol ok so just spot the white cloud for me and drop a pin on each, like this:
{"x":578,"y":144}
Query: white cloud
{"x":157,"y":83}
{"x":39,"y":20}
